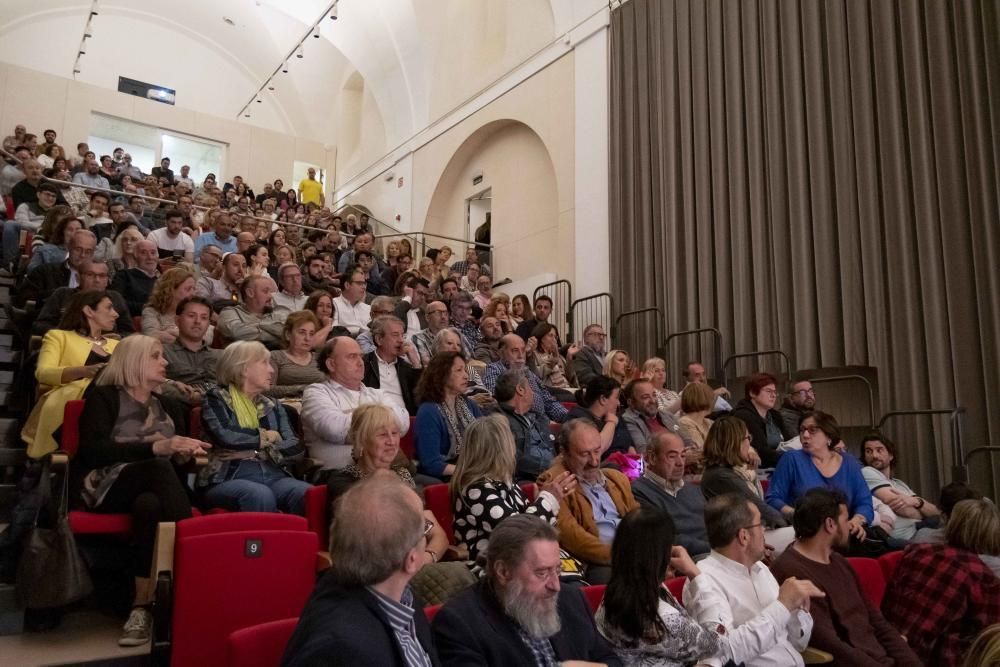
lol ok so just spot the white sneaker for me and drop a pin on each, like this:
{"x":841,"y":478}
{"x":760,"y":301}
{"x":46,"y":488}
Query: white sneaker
{"x":138,"y":628}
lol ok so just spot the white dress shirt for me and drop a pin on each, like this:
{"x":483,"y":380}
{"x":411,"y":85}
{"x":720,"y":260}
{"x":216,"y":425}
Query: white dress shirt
{"x":326,"y":417}
{"x":388,"y":382}
{"x":288,"y":303}
{"x":355,"y":318}
{"x":758,"y":630}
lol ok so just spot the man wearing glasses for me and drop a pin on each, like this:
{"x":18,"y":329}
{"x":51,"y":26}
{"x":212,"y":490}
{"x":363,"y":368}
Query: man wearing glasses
{"x":800,"y":400}
{"x":350,"y":309}
{"x":588,"y":362}
{"x":94,"y":276}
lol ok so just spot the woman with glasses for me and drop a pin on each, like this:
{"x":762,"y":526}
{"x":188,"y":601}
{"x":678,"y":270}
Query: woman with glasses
{"x":819,"y":463}
{"x":763,"y":421}
{"x":731,"y":467}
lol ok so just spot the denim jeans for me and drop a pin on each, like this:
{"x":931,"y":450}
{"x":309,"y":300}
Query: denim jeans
{"x":11,"y":242}
{"x":259,"y":486}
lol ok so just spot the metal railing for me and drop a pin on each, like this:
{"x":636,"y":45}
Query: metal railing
{"x":561,"y":293}
{"x":962,"y":473}
{"x":954,"y":420}
{"x":640,"y":345}
{"x":854,"y":378}
{"x":789,"y":368}
{"x":593,"y":309}
{"x":716,"y":352}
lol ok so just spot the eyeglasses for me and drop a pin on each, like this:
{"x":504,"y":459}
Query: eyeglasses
{"x":812,"y":430}
{"x":806,"y":392}
{"x":91,"y":274}
{"x":752,"y":526}
{"x":547,"y":573}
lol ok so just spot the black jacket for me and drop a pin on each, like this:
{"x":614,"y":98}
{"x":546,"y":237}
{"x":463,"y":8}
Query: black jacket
{"x":41,"y":282}
{"x":346,"y":626}
{"x":55,"y":305}
{"x":407,"y":374}
{"x":757,"y":427}
{"x":472,"y":629}
{"x":135,"y":285}
{"x":402,"y":310}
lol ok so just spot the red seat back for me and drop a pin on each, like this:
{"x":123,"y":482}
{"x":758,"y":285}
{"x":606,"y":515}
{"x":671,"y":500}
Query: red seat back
{"x":438,"y":500}
{"x":318,"y":514}
{"x":888,"y":563}
{"x":554,"y":428}
{"x":871,"y":578}
{"x":530,"y":490}
{"x":594,"y":595}
{"x":676,"y":587}
{"x":69,"y":439}
{"x":234,"y":522}
{"x":431,"y":612}
{"x":765,"y":485}
{"x":261,"y":645}
{"x":194,"y":425}
{"x":407,"y":444}
{"x":224,"y":582}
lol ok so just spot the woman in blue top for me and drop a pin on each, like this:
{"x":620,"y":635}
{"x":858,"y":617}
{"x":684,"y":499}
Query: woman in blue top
{"x":444,"y":414}
{"x":819,"y":463}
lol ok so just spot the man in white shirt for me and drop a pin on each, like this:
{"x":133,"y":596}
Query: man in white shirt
{"x":393,"y":364}
{"x":351,"y":311}
{"x":290,"y":298}
{"x":760,"y":624}
{"x":170,"y":241}
{"x":327,"y":406}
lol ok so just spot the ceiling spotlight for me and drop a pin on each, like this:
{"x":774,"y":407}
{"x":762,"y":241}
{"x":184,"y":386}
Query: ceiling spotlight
{"x":333,"y":13}
{"x":299,"y":53}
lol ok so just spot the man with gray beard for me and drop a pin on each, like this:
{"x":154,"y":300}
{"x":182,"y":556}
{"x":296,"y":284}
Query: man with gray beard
{"x":518,"y":614}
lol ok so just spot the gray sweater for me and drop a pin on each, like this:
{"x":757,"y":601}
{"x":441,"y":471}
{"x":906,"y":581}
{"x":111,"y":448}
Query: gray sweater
{"x":687,"y":510}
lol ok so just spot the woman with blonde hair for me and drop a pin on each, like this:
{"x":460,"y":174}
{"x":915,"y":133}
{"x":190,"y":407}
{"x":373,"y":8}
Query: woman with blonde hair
{"x":123,"y":254}
{"x":654,"y":369}
{"x":617,"y":366}
{"x":392,"y":251}
{"x":159,"y":317}
{"x":697,"y":400}
{"x":426,"y":269}
{"x":134,"y":435}
{"x":483,"y":490}
{"x":985,"y":651}
{"x":731,"y":467}
{"x":441,"y":262}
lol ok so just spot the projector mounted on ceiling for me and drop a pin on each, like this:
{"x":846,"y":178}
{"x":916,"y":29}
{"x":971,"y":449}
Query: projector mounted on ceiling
{"x":147,"y":90}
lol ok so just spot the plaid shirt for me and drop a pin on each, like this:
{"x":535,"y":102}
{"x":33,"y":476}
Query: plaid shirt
{"x":940,"y":598}
{"x":541,"y":650}
{"x":544,"y":403}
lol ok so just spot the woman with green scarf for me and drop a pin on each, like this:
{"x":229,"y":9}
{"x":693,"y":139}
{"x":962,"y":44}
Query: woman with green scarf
{"x":254,"y":445}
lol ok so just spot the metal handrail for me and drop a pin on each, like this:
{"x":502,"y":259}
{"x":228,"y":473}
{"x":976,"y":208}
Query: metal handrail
{"x":868,"y":385}
{"x":962,"y":472}
{"x":761,"y":353}
{"x":954,"y":420}
{"x":569,"y":295}
{"x":573,"y":304}
{"x":716,"y":334}
{"x":615,"y":330}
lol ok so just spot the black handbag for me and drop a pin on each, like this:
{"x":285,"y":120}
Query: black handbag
{"x":51,"y":572}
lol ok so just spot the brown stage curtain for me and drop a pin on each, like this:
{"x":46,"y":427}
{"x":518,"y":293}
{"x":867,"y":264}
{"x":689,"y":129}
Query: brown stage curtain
{"x":820,"y":177}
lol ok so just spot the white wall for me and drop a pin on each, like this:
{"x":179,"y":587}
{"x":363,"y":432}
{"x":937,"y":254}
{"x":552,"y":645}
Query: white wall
{"x":41,"y":101}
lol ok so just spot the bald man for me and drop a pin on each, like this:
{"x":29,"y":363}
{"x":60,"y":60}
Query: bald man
{"x":136,"y":284}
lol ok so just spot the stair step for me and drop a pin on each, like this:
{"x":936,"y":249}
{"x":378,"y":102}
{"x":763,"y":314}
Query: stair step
{"x":9,"y":434}
{"x":11,"y":613}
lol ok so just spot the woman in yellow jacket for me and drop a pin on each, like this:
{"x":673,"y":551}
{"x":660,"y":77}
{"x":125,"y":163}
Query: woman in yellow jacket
{"x":69,"y":359}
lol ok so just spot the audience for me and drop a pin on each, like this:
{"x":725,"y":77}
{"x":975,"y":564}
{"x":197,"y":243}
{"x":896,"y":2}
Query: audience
{"x":123,"y":250}
{"x":801,"y":400}
{"x":483,"y":492}
{"x":985,"y":651}
{"x":488,"y":348}
{"x":643,"y":419}
{"x":63,"y":225}
{"x":254,"y":446}
{"x":221,"y":235}
{"x":654,"y":369}
{"x":290,"y":297}
{"x":589,"y":515}
{"x":193,"y":365}
{"x":845,"y":622}
{"x":639,"y":616}
{"x":126,"y":461}
{"x":588,"y":362}
{"x":532,"y":438}
{"x":350,"y":309}
{"x":363,"y":611}
{"x":43,"y":280}
{"x":819,"y":464}
{"x":327,"y":406}
{"x":136,"y":284}
{"x":942,"y":595}
{"x":519,"y":614}
{"x":381,"y":306}
{"x":159,"y":317}
{"x":410,"y":309}
{"x":542,"y":311}
{"x":695,"y":372}
{"x":758,"y":622}
{"x":252,"y":319}
{"x":662,"y":486}
{"x":393,"y":366}
{"x":512,"y":357}
{"x":444,"y":414}
{"x":71,"y":356}
{"x":696,"y":404}
{"x":550,"y":366}
{"x":295,"y":364}
{"x":618,"y":366}
{"x":767,"y":428}
{"x":436,"y":313}
{"x":909,"y":510}
{"x":598,"y":404}
{"x":94,"y":276}
{"x":462,"y":322}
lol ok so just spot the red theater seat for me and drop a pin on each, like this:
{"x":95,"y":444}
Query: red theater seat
{"x":431,"y":612}
{"x":261,"y":645}
{"x":438,"y":500}
{"x":676,"y":586}
{"x":888,"y":563}
{"x":318,"y":514}
{"x":407,"y":444}
{"x":871,"y":578}
{"x":594,"y":595}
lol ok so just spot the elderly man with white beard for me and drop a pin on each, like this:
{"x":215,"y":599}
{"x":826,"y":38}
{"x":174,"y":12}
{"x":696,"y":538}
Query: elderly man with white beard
{"x":518,"y":614}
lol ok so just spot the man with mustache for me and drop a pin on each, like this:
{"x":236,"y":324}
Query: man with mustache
{"x":519,"y":614}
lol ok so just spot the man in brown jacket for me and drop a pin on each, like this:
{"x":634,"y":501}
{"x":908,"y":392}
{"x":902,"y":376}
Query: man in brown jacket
{"x":589,"y":516}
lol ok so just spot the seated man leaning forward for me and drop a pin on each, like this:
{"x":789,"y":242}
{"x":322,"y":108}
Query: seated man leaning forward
{"x":519,"y":614}
{"x":253,"y":319}
{"x":363,"y":611}
{"x":589,"y":516}
{"x":327,"y":406}
{"x":760,"y":624}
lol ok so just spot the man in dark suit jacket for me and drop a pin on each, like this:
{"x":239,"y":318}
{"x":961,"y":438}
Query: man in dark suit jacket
{"x":390,"y":350}
{"x":543,"y":310}
{"x":136,"y":284}
{"x":547,"y":624}
{"x":93,"y":276}
{"x":588,"y":362}
{"x":363,"y":611}
{"x":43,"y":280}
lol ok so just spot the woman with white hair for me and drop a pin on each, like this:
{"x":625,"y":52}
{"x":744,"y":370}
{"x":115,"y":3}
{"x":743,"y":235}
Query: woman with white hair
{"x":125,"y":463}
{"x":255,"y":446}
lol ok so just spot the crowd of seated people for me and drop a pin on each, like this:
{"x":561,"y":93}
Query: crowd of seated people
{"x":312,"y":350}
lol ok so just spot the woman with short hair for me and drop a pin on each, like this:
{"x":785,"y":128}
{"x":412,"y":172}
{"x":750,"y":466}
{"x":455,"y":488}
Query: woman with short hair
{"x":133,"y":438}
{"x":444,"y":414}
{"x":483,"y":492}
{"x":697,"y":401}
{"x":942,"y":595}
{"x":639,"y":615}
{"x":159,"y":316}
{"x":123,"y":253}
{"x":766,"y":425}
{"x":254,"y":445}
{"x":654,"y":369}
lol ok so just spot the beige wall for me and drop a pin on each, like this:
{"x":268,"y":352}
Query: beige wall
{"x":45,"y":101}
{"x":523,"y":143}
